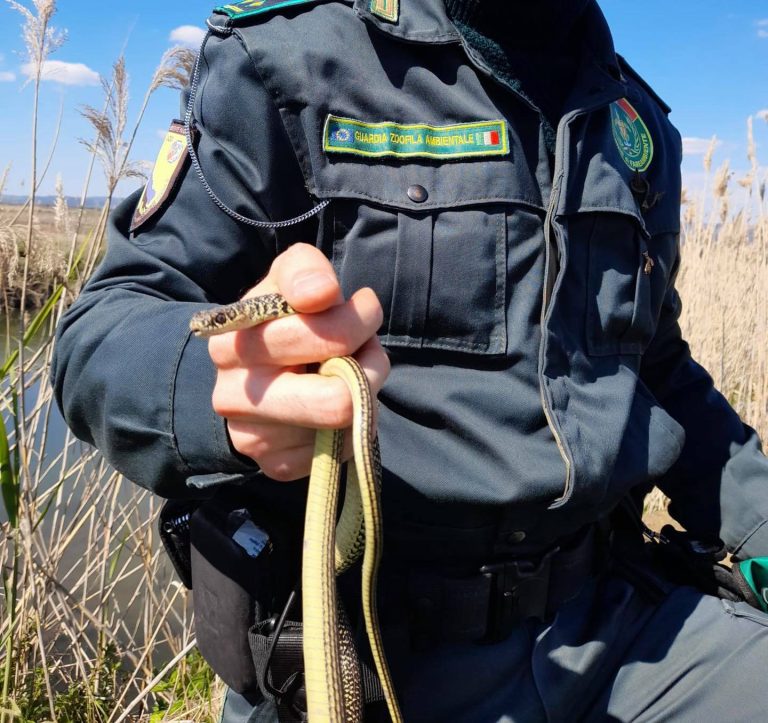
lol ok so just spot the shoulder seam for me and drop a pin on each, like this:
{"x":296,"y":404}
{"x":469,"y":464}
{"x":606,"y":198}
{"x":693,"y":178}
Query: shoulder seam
{"x":627,"y":68}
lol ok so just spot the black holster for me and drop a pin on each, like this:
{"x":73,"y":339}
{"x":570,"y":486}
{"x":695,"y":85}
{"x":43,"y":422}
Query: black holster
{"x":241,"y":564}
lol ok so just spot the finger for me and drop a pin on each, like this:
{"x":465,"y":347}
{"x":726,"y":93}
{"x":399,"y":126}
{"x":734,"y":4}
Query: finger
{"x":287,"y":465}
{"x":303,"y":338}
{"x":264,"y":396}
{"x":255,"y":440}
{"x":375,"y":363}
{"x":304,"y":400}
{"x":305,"y":277}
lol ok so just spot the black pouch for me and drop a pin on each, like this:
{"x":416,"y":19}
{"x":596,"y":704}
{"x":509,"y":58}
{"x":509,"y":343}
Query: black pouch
{"x":173,"y":526}
{"x":242,"y":573}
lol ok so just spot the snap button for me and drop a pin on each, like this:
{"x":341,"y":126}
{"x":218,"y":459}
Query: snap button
{"x":417,"y":193}
{"x":639,"y":185}
{"x":516,"y":537}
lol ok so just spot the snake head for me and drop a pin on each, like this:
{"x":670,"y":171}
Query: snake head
{"x":210,"y":322}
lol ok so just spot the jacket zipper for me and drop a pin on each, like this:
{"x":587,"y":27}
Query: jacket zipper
{"x":548,"y":243}
{"x":550,"y":281}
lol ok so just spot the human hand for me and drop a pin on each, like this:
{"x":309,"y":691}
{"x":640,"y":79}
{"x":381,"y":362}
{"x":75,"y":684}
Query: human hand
{"x":271,"y":403}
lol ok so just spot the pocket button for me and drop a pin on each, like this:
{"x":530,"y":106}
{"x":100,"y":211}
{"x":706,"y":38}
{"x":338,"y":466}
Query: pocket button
{"x":417,"y":193}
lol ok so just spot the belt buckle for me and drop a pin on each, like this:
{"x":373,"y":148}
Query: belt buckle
{"x":519,"y":590}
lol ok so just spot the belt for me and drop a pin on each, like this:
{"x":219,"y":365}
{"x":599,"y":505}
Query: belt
{"x":485,"y":606}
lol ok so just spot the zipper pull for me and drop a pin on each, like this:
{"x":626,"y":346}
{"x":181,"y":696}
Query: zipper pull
{"x":649,"y":263}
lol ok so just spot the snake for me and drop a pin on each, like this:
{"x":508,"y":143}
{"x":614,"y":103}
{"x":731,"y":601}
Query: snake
{"x":331,"y":666}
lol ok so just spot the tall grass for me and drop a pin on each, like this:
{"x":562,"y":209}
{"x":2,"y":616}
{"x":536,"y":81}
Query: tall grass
{"x":94,"y":627}
{"x":723,"y":283}
{"x":724,"y":286}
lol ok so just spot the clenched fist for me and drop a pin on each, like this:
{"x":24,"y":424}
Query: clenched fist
{"x":271,"y":402}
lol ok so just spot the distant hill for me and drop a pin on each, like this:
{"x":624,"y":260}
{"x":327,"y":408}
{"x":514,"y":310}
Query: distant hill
{"x":72,"y":201}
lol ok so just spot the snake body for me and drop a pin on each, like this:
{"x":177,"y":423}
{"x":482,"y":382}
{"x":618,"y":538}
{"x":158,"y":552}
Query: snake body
{"x":331,"y":669}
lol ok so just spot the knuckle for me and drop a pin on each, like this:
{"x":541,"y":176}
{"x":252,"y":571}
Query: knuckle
{"x":272,"y":470}
{"x":379,"y":312}
{"x":221,"y":400}
{"x":385,"y":363}
{"x":282,"y":469}
{"x":257,"y":447}
{"x":297,"y":250}
{"x":241,"y":444}
{"x":378,"y":316}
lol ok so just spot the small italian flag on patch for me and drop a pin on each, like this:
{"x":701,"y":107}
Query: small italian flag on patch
{"x":488,"y":138}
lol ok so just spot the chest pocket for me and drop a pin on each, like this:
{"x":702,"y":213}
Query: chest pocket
{"x":440,"y":273}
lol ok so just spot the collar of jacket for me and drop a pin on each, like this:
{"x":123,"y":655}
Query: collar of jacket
{"x":527,"y":24}
{"x":427,"y":21}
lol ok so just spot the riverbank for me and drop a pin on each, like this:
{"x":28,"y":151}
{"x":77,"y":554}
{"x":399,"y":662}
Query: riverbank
{"x":57,"y":232}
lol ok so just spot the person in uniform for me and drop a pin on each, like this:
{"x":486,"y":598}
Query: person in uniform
{"x":480,"y":201}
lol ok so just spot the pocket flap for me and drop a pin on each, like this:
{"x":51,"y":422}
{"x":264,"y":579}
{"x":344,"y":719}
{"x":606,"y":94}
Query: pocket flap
{"x":422,"y":183}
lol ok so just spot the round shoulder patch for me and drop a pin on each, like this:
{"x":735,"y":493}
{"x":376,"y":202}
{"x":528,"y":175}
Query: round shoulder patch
{"x":633,"y":139}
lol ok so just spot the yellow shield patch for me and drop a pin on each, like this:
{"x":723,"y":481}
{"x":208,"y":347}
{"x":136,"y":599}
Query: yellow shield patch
{"x":170,"y":161}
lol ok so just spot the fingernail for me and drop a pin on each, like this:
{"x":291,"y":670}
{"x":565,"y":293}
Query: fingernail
{"x":312,"y":282}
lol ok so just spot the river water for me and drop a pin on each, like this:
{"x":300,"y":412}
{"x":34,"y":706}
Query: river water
{"x":96,"y":532}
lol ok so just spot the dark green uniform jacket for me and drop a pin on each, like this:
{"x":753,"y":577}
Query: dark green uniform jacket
{"x":530,"y":311}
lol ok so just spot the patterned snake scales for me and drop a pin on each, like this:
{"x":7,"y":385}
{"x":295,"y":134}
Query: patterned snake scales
{"x":332,"y":673}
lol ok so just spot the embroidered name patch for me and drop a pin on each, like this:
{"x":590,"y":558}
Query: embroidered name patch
{"x":254,"y":7}
{"x":633,"y":139}
{"x":167,"y":167}
{"x":345,"y":135}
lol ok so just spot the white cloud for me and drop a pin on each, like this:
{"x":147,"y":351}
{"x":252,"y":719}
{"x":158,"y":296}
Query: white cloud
{"x":6,"y":76}
{"x":187,"y":35}
{"x":763,"y":114}
{"x":58,"y":71}
{"x":697,"y":146}
{"x":762,"y":28}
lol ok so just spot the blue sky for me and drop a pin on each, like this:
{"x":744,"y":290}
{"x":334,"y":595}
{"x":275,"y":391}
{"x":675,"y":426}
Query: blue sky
{"x":708,"y":59}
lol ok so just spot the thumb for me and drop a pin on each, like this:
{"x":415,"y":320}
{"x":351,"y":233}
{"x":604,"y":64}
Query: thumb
{"x":305,"y":277}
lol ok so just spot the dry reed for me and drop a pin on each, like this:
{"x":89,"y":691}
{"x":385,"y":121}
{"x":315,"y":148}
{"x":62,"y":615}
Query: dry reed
{"x":723,"y":284}
{"x":94,"y":628}
{"x":97,"y":627}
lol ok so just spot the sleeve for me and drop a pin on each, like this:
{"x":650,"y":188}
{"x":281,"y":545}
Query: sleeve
{"x":718,"y":488}
{"x":127,"y":375}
